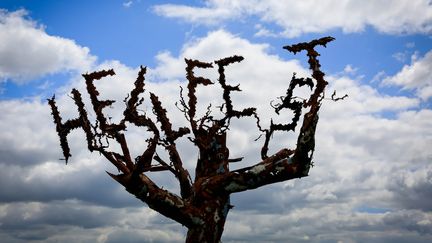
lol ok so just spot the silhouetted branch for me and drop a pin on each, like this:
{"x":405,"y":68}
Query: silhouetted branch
{"x":182,"y":174}
{"x":286,"y":164}
{"x":306,"y":139}
{"x":314,"y":64}
{"x":98,"y":105}
{"x":334,"y":98}
{"x":230,"y":112}
{"x":64,"y":129}
{"x":193,"y":83}
{"x":287,"y":102}
{"x":166,"y":126}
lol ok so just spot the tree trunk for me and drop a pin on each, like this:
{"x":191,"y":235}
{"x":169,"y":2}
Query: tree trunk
{"x":213,"y":206}
{"x":213,"y":221}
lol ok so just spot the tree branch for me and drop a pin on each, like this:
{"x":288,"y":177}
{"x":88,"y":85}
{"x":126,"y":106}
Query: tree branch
{"x":182,"y":174}
{"x":286,"y":164}
{"x":276,"y":168}
{"x":164,"y":202}
{"x":193,"y":83}
{"x":98,"y":105}
{"x":282,"y":166}
{"x":230,"y":112}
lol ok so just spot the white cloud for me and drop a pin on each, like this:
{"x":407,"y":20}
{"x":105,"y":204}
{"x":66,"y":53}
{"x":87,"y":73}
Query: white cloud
{"x":75,"y":221}
{"x":298,"y":17}
{"x":410,"y":45}
{"x":28,"y":52}
{"x":400,"y":56}
{"x":263,"y":31}
{"x":293,"y":226}
{"x":416,"y":76}
{"x":364,"y":99}
{"x":349,"y":69}
{"x":203,"y":15}
{"x":19,"y":141}
{"x":127,"y":4}
{"x":364,"y":161}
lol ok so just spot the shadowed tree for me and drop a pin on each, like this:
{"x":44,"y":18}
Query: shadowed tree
{"x":204,"y":202}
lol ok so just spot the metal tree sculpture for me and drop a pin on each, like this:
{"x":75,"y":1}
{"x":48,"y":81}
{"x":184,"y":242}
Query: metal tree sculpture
{"x":203,"y":204}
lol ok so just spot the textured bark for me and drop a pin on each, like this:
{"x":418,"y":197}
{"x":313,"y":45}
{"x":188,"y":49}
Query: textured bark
{"x":214,"y":206}
{"x":214,"y":215}
{"x":203,"y":203}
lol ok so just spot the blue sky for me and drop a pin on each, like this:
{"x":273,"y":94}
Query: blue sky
{"x":373,"y":158}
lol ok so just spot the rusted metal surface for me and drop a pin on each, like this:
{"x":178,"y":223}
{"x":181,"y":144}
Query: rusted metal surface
{"x":203,"y":203}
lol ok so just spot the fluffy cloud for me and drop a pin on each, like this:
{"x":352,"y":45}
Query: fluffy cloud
{"x":28,"y":52}
{"x":416,"y":76}
{"x":365,"y":99}
{"x":387,"y":16}
{"x":371,"y":181}
{"x":312,"y":225}
{"x":75,"y":221}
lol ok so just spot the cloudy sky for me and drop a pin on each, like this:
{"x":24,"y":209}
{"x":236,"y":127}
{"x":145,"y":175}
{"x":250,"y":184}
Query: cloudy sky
{"x":372,"y":180}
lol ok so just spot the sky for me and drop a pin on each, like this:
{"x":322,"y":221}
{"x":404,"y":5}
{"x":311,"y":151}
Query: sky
{"x":372,"y":174}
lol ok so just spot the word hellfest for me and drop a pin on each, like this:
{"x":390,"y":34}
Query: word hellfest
{"x":82,"y":121}
{"x":203,"y":204}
